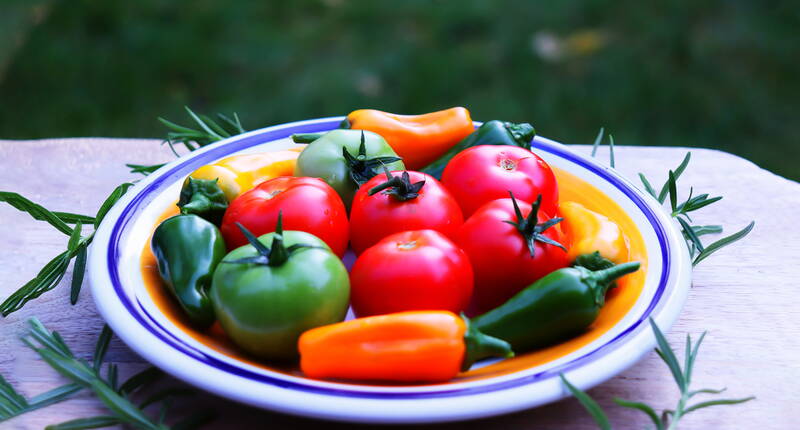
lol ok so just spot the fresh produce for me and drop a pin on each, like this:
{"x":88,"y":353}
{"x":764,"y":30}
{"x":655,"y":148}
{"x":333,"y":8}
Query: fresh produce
{"x":418,"y":139}
{"x":509,"y":248}
{"x":430,"y":346}
{"x":240,"y":173}
{"x":591,"y":232}
{"x":490,"y":133}
{"x":411,"y":270}
{"x":308,"y":204}
{"x":345,"y":159}
{"x":484,"y":173}
{"x":401,"y":201}
{"x":187,"y":249}
{"x":269,"y":292}
{"x":555,"y":308}
{"x":204,"y":198}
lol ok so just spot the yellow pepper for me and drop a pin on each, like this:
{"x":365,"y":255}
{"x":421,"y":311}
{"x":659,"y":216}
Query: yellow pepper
{"x":591,"y":231}
{"x":241,"y":173}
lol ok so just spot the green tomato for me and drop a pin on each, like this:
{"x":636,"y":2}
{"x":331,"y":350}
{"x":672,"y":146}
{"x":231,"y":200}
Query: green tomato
{"x":324,"y":158}
{"x":264,"y":308}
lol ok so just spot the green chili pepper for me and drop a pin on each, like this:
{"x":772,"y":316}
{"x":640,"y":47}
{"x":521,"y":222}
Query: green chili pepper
{"x":203,"y":197}
{"x":188,"y":249}
{"x":554,"y":308}
{"x":345,"y":159}
{"x":490,"y":133}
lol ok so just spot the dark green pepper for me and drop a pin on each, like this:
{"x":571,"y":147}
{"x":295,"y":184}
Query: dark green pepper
{"x":188,"y":249}
{"x":555,"y":308}
{"x":490,"y":133}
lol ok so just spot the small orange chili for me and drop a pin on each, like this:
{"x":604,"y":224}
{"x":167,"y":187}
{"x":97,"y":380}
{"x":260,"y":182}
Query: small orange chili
{"x":418,"y":346}
{"x":419,"y":139}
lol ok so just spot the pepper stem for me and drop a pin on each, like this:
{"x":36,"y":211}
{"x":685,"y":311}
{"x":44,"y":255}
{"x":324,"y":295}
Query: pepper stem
{"x":600,"y":280}
{"x":522,"y":133}
{"x":307,"y":137}
{"x":400,"y":186}
{"x":480,"y":345}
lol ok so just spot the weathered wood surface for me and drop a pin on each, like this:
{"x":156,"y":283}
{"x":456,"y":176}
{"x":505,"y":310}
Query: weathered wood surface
{"x":746,"y":296}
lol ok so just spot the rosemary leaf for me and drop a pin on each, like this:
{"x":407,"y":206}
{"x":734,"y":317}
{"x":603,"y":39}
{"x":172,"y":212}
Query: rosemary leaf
{"x":115,"y":195}
{"x":611,"y":151}
{"x":647,"y":186}
{"x":701,"y":230}
{"x":101,"y":347}
{"x":673,"y":191}
{"x":78,"y":272}
{"x":600,"y":417}
{"x":662,"y":195}
{"x":86,"y":423}
{"x":706,"y":391}
{"x":141,"y":379}
{"x":37,"y":211}
{"x":597,"y":141}
{"x":144,"y":169}
{"x":644,"y":408}
{"x":716,"y":403}
{"x":716,"y":246}
{"x":71,"y":218}
{"x":47,"y":279}
{"x":666,"y":354}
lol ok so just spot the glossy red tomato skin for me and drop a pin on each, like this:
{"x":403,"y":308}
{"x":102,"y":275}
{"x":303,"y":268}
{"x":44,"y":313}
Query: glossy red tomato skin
{"x":374,"y":217}
{"x":307,"y":204}
{"x":499,"y":255}
{"x":484,"y":173}
{"x":411,"y":270}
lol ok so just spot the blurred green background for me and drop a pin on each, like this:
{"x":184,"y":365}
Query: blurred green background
{"x":718,"y":74}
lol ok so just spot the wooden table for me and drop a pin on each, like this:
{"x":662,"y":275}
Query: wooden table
{"x":746,"y":296}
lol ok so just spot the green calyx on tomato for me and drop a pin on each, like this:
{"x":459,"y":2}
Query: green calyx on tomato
{"x":530,"y":228}
{"x":399,"y":187}
{"x":275,"y":255}
{"x":267,"y":293}
{"x":204,"y":198}
{"x":345,"y":159}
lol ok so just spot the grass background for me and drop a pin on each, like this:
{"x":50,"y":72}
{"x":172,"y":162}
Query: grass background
{"x":718,"y":74}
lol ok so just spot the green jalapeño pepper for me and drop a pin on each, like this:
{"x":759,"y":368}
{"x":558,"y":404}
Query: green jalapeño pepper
{"x":187,"y":250}
{"x":345,"y":159}
{"x":490,"y":133}
{"x":267,"y":293}
{"x":554,"y":308}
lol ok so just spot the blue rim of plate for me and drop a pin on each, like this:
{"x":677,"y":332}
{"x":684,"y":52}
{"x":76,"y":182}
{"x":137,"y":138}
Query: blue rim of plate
{"x":181,"y":169}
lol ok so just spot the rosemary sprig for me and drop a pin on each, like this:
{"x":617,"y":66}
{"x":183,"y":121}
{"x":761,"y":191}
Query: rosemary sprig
{"x":208,"y":131}
{"x":680,"y":211}
{"x":122,"y":409}
{"x":52,"y":273}
{"x":669,"y":418}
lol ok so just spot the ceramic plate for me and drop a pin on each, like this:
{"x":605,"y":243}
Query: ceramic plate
{"x":618,"y":339}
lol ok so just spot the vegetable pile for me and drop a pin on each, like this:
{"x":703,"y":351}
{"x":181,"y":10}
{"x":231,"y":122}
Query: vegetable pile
{"x":463,"y":249}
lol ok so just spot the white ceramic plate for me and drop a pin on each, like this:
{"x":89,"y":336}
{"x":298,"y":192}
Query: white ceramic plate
{"x":118,"y":289}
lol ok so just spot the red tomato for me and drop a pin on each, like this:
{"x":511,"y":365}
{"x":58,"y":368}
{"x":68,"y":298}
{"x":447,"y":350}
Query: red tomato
{"x":410,"y":271}
{"x":500,"y":254}
{"x":484,"y":173}
{"x":409,"y":201}
{"x":308,"y":204}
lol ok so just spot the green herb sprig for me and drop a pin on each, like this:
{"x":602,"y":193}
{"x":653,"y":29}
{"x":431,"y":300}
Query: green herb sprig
{"x":84,"y":375}
{"x":209,"y":131}
{"x":669,"y":418}
{"x":680,"y":211}
{"x":77,"y":247}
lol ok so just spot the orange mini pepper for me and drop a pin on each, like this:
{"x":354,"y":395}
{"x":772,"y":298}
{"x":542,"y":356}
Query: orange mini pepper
{"x":593,"y":232}
{"x":240,"y":173}
{"x":419,"y":139}
{"x":418,"y":346}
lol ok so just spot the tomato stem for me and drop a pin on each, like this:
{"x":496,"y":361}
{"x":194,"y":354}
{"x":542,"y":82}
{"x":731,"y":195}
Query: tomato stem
{"x":399,"y":187}
{"x":530,"y":228}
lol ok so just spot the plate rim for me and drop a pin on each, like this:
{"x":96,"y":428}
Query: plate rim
{"x":634,"y":339}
